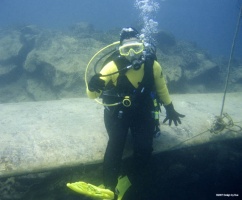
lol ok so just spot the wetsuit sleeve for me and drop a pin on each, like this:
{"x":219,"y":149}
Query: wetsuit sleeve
{"x":160,"y":84}
{"x":107,"y":69}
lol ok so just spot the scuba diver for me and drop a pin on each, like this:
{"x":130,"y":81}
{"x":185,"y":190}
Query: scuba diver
{"x":132,"y":87}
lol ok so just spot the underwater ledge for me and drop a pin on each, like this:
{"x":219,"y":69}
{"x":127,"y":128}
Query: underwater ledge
{"x":47,"y":135}
{"x":195,"y":172}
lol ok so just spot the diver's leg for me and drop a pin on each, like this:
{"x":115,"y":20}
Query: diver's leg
{"x":117,"y":130}
{"x":143,"y":147}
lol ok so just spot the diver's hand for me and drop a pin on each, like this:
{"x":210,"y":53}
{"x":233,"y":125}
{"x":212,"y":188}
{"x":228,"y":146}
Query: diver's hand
{"x":96,"y":84}
{"x":172,"y":115}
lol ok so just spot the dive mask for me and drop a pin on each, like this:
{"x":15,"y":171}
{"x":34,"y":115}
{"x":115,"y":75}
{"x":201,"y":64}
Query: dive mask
{"x":126,"y":49}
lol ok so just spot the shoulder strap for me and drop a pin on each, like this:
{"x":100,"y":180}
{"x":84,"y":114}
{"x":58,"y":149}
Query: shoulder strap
{"x":121,"y":64}
{"x":147,"y":82}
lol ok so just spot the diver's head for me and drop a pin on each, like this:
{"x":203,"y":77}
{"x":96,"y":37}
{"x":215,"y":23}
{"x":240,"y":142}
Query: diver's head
{"x":127,"y":33}
{"x":131,"y":47}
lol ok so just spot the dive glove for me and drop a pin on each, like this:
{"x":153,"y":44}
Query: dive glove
{"x":96,"y":84}
{"x":172,"y":115}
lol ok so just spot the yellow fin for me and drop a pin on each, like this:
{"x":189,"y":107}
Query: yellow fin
{"x":90,"y":190}
{"x":122,"y":186}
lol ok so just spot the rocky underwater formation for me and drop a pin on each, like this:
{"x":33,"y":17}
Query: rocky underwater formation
{"x":41,"y":64}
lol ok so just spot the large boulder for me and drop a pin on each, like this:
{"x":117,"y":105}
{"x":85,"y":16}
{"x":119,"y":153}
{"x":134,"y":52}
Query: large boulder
{"x":196,"y":63}
{"x":201,"y":69}
{"x":10,"y":47}
{"x":14,"y":47}
{"x":186,"y":67}
{"x":60,"y":60}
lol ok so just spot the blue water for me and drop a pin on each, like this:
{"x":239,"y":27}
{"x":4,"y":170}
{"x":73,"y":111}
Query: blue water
{"x":208,"y":23}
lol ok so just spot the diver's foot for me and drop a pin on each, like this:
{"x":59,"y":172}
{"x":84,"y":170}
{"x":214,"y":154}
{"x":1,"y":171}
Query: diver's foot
{"x":90,"y":190}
